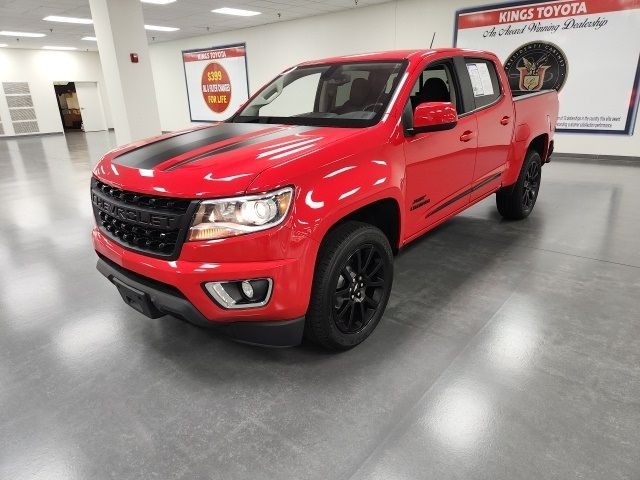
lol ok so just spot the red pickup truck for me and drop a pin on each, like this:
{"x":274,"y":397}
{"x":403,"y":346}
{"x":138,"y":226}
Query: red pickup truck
{"x":283,"y":221}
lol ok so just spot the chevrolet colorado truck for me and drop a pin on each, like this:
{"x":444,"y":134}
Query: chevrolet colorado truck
{"x":283,"y":221}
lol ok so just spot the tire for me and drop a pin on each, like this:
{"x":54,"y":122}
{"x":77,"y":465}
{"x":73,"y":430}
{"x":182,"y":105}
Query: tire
{"x":351,"y":286}
{"x":517,"y":201}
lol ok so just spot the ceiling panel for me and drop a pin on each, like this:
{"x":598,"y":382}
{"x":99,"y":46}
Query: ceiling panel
{"x":193,"y":17}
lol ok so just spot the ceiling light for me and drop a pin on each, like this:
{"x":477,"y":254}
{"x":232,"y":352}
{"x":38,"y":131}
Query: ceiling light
{"x":56,"y":18}
{"x":51,"y":47}
{"x":160,"y":29}
{"x":21,"y":34}
{"x":235,"y":11}
{"x":90,"y":39}
{"x":3,"y":45}
{"x":158,"y":2}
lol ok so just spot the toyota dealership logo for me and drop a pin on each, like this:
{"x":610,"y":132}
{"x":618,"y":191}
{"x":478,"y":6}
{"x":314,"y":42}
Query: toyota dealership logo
{"x":536,"y":66}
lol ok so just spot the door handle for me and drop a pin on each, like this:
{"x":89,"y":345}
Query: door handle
{"x":505,"y":120}
{"x":466,"y":136}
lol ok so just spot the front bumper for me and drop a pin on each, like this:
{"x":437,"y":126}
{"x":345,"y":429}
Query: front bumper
{"x":176,"y":287}
{"x":155,"y":299}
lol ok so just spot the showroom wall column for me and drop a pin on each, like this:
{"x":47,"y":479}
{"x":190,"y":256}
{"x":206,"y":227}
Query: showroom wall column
{"x":119,"y":28}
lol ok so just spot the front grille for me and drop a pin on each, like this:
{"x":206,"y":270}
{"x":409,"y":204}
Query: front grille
{"x":175,"y":205}
{"x":150,"y":224}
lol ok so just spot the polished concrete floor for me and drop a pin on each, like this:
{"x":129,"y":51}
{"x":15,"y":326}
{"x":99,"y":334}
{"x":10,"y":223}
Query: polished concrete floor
{"x":508,"y":351}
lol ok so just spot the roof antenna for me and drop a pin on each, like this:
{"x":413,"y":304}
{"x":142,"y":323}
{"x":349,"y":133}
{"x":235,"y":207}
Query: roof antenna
{"x":432,"y":39}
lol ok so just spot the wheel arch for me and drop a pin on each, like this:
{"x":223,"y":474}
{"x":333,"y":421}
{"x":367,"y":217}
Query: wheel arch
{"x":520,"y":148}
{"x":383,"y":213}
{"x":540,"y":144}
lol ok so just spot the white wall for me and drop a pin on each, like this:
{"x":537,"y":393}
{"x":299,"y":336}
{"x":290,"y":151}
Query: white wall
{"x":270,"y":49}
{"x":40,"y":68}
{"x":395,"y":25}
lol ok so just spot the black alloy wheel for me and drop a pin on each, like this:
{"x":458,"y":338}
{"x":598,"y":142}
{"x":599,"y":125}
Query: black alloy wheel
{"x":516,"y":201}
{"x":531,"y":185}
{"x":351,"y":285}
{"x":359,"y":289}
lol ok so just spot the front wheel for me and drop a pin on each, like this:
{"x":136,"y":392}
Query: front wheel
{"x":517,"y":201}
{"x":351,"y":286}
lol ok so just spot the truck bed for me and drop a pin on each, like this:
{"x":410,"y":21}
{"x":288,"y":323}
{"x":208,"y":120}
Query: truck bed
{"x":520,"y":94}
{"x":534,"y":112}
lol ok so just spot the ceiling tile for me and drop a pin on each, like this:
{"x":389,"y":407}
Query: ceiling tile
{"x":191,"y":16}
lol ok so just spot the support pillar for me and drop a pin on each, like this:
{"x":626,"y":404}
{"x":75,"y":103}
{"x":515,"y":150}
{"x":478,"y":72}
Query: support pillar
{"x":119,"y":28}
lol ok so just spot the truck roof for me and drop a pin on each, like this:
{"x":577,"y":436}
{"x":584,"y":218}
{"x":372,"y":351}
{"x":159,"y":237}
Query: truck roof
{"x":391,"y":55}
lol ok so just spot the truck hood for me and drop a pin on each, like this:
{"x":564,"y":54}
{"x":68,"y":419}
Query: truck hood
{"x":212,"y":161}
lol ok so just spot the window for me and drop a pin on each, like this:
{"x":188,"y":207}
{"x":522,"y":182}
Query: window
{"x":342,"y":94}
{"x":300,"y":97}
{"x":484,"y":80}
{"x":435,"y":84}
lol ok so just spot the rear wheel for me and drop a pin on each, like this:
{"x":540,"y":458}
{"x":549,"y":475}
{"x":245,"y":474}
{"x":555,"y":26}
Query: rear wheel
{"x":351,"y":287}
{"x":517,"y":201}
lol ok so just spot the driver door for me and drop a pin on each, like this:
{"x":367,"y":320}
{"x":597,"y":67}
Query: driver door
{"x":439,"y":165}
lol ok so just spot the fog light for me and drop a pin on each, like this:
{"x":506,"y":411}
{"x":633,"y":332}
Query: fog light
{"x":247,"y":289}
{"x":241,"y":293}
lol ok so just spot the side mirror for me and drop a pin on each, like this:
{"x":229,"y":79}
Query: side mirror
{"x":433,"y":117}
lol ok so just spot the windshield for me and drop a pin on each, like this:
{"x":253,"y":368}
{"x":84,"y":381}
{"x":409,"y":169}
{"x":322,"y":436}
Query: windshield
{"x":341,"y":95}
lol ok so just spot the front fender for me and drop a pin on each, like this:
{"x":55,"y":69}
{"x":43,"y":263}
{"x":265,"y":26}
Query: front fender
{"x":329,"y":192}
{"x":326,"y":194}
{"x":333,"y":192}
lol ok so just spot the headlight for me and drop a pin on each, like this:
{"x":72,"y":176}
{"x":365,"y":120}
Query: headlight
{"x":228,"y":217}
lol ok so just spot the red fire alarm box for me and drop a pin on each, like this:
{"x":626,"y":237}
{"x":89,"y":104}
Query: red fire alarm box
{"x":134,"y":57}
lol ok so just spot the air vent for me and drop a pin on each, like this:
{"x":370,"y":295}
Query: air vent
{"x":16,"y":88}
{"x":21,"y":111}
{"x":19,"y":101}
{"x":18,"y":114}
{"x":25,"y":127}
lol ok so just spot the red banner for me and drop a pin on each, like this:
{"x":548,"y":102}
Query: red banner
{"x":213,"y":54}
{"x":543,"y":11}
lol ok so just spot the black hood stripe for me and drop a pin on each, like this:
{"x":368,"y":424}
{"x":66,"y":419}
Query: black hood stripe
{"x":151,"y":155}
{"x":265,"y":137}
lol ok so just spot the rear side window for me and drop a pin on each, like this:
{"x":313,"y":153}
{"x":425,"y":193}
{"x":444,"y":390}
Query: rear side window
{"x":484,"y":80}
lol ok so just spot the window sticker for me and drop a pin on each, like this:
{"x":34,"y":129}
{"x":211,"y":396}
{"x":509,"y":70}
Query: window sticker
{"x":476,"y":83}
{"x":485,"y":78}
{"x":480,"y":79}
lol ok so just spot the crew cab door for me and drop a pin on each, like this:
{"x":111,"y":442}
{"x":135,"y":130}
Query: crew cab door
{"x":439,"y":165}
{"x":495,"y":116}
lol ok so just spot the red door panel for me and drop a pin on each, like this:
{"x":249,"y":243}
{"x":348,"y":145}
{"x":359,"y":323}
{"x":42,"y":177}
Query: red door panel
{"x":495,"y":116}
{"x":439,"y":173}
{"x":495,"y":127}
